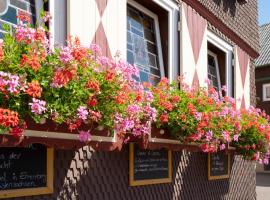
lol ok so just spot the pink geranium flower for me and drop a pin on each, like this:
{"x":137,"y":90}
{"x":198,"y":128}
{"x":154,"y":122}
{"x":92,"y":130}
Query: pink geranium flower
{"x":82,"y":112}
{"x":38,"y":106}
{"x":84,"y":136}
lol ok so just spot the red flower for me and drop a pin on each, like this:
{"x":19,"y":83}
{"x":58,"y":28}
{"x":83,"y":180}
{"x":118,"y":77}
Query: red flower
{"x":164,"y":118}
{"x":139,"y":96}
{"x":63,"y":76}
{"x":208,"y":148}
{"x":109,"y":76}
{"x":192,"y":109}
{"x":16,"y":132}
{"x":94,"y":85}
{"x":1,"y":53}
{"x":34,"y":89}
{"x":31,"y":61}
{"x":74,"y":125}
{"x":175,"y":99}
{"x":92,"y":102}
{"x":167,"y":105}
{"x":8,"y":118}
{"x":24,"y":17}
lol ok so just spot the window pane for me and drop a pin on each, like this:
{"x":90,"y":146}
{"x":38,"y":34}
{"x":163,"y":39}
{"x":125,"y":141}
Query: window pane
{"x":212,"y":72}
{"x":267,"y":92}
{"x":142,"y":46}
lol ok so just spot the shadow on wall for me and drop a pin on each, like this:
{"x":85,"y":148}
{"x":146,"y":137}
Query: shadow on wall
{"x":104,"y":176}
{"x":195,"y":184}
{"x":88,"y":175}
{"x":228,"y":6}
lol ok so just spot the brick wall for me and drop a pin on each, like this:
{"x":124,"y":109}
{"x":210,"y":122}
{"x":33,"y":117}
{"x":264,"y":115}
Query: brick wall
{"x":241,"y":18}
{"x":86,"y":175}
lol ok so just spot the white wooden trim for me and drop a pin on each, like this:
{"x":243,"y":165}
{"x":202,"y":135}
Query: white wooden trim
{"x":228,"y":50}
{"x":52,"y":24}
{"x":39,"y":6}
{"x":173,"y":50}
{"x":157,"y":31}
{"x":216,"y":66}
{"x":264,"y":92}
{"x":219,"y":42}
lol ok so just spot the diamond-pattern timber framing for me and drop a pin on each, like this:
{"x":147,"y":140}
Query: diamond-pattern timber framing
{"x":194,"y":47}
{"x":242,"y":77}
{"x":89,"y":175}
{"x":91,"y":21}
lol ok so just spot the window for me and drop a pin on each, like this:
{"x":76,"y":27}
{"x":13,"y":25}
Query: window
{"x":220,"y":69}
{"x":143,"y":44}
{"x":9,"y":9}
{"x":266,"y":92}
{"x":213,"y":71}
{"x":155,"y":53}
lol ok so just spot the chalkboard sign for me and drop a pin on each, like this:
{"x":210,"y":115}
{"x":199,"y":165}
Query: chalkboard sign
{"x":149,"y":166}
{"x":218,"y":166}
{"x":26,"y":171}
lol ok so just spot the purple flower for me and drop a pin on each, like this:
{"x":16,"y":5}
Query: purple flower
{"x":224,"y":112}
{"x":65,"y":55}
{"x":13,"y":83}
{"x":140,"y":130}
{"x":128,"y":124}
{"x":133,"y":109}
{"x":38,"y":106}
{"x":209,"y":135}
{"x":226,"y":136}
{"x":266,"y":161}
{"x":198,"y":116}
{"x":95,"y":48}
{"x":235,"y":138}
{"x":84,"y":136}
{"x":257,"y":155}
{"x":149,"y":96}
{"x":151,"y":112}
{"x":82,"y":112}
{"x":222,"y":147}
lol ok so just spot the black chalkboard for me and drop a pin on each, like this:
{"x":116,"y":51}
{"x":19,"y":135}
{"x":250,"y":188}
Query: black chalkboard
{"x":23,"y":167}
{"x":218,"y":165}
{"x":149,"y":166}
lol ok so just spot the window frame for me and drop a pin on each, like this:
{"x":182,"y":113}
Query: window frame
{"x":228,"y":50}
{"x":173,"y":35}
{"x":264,"y":91}
{"x":157,"y":32}
{"x":216,"y":66}
{"x":2,"y":13}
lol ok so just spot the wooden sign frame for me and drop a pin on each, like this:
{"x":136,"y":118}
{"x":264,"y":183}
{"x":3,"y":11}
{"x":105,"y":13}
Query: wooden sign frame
{"x":133,"y":182}
{"x":222,"y":176}
{"x":34,"y":191}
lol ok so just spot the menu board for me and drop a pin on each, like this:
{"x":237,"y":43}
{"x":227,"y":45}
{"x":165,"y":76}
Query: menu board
{"x":149,"y":166}
{"x":218,"y":166}
{"x":25,"y":171}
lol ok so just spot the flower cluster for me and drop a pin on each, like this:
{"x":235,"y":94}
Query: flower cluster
{"x":8,"y":118}
{"x":77,"y":86}
{"x":206,"y":117}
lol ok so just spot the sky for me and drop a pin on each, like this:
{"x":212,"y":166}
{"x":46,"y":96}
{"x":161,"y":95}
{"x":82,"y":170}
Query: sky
{"x":264,"y":11}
